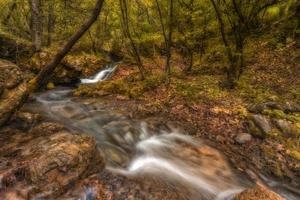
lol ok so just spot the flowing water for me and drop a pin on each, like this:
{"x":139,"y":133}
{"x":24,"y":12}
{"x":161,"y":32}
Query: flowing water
{"x":102,"y":75}
{"x":135,"y":148}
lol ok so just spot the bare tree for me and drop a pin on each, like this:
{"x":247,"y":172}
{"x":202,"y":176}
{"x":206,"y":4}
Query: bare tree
{"x":125,"y":25}
{"x":169,"y":42}
{"x":50,"y":22}
{"x":163,"y":29}
{"x":241,"y":18}
{"x":36,"y":23}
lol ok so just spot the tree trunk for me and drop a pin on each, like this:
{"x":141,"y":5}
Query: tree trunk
{"x":191,"y":63}
{"x":14,"y":91}
{"x":51,"y":21}
{"x":36,"y":23}
{"x":169,"y":43}
{"x":162,"y":23}
{"x":231,"y":70}
{"x":125,"y":20}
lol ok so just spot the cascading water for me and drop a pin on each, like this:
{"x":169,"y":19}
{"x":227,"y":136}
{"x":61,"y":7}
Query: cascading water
{"x":135,"y":149}
{"x":102,"y":75}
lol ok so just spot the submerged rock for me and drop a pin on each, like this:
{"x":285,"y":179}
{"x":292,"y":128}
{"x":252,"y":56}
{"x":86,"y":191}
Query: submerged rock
{"x":46,"y":160}
{"x":258,"y":193}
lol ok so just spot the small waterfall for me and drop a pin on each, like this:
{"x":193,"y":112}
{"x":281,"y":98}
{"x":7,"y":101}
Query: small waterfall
{"x":102,"y":75}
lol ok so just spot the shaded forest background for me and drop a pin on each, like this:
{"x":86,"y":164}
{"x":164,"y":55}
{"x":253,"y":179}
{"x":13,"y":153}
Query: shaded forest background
{"x":197,"y":31}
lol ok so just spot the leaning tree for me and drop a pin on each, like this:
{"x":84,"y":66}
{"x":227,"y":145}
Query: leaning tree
{"x":14,"y":90}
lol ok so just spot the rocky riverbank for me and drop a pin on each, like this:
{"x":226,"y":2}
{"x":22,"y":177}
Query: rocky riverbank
{"x":44,"y":160}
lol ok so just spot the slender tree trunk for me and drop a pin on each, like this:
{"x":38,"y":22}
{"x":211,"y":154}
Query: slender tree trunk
{"x":162,"y":23}
{"x":125,"y":21}
{"x":36,"y":23}
{"x":190,"y":48}
{"x":51,"y":21}
{"x":191,"y":63}
{"x":169,"y":43}
{"x":231,"y":70}
{"x":93,"y":43}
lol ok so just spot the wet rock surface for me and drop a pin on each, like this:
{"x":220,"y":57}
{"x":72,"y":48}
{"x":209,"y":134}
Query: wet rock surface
{"x":243,"y":138}
{"x":258,"y":192}
{"x":13,"y":90}
{"x":45,"y":161}
{"x":271,"y":118}
{"x":278,"y":128}
{"x":146,"y":187}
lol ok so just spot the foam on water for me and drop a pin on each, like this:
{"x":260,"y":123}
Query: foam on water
{"x":157,"y":156}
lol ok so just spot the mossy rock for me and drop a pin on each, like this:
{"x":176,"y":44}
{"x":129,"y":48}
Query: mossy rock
{"x":259,"y":125}
{"x":287,"y":128}
{"x":50,"y":86}
{"x":254,"y":130}
{"x":273,"y":164}
{"x":295,"y":154}
{"x":258,"y":193}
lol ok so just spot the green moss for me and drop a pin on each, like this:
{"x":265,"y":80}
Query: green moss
{"x":254,"y":130}
{"x":273,"y":163}
{"x":50,"y":86}
{"x":188,"y":90}
{"x":202,"y":88}
{"x":276,"y":169}
{"x":253,"y":94}
{"x":274,"y":133}
{"x":153,"y":81}
{"x":132,"y":88}
{"x":279,"y":114}
{"x":295,"y":93}
{"x":242,"y":111}
{"x":295,"y":154}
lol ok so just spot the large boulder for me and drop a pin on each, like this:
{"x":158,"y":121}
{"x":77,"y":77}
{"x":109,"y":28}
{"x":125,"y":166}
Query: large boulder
{"x":13,"y":90}
{"x":272,"y":119}
{"x":258,"y":192}
{"x":47,"y":160}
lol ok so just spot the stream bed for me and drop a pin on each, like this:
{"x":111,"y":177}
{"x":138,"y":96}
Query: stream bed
{"x":141,"y":148}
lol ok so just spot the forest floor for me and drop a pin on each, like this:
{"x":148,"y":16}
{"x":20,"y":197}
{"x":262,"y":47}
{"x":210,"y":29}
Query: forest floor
{"x":207,"y":110}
